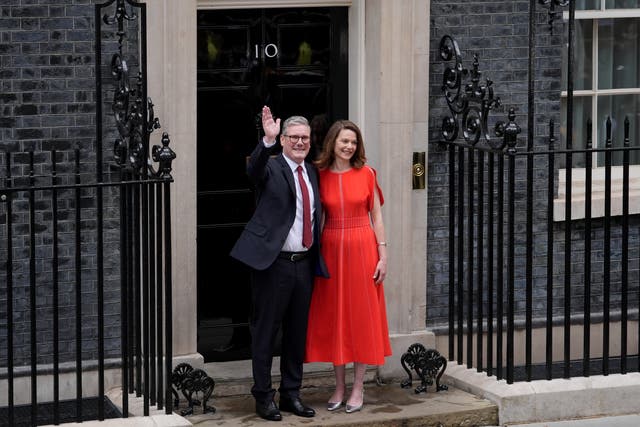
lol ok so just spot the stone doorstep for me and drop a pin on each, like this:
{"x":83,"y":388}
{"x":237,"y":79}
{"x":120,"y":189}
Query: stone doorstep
{"x":385,"y":405}
{"x":555,"y":400}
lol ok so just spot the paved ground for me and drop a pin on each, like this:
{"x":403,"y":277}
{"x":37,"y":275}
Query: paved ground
{"x":387,"y":405}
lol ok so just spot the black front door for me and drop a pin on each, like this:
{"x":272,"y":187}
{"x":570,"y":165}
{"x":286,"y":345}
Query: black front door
{"x":294,"y":61}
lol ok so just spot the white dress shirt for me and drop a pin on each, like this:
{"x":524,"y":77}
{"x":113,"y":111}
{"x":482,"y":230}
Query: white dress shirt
{"x":293,"y":243}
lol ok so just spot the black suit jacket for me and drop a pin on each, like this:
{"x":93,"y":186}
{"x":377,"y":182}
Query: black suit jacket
{"x":264,"y":235}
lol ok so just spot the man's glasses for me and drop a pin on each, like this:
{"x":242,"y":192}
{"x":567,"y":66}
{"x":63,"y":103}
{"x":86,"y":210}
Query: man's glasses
{"x":296,"y":138}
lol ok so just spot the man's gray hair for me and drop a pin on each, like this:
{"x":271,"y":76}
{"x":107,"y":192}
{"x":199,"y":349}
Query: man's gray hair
{"x":292,"y":121}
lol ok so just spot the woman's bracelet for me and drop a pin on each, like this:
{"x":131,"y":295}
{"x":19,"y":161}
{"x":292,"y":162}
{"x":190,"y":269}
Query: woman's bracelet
{"x":382,"y":243}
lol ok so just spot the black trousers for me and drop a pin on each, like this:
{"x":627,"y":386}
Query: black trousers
{"x":281,"y":296}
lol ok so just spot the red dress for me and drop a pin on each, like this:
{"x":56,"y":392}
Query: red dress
{"x":347,"y":318}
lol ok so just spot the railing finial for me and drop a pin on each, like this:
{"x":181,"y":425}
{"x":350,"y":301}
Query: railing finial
{"x":509,"y":132}
{"x":164,"y":156}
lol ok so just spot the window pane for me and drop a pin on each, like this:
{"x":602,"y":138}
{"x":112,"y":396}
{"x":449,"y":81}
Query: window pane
{"x":583,"y":54}
{"x":618,"y":53}
{"x":622,"y":4}
{"x":581,"y":113}
{"x":304,"y":44}
{"x":618,"y":107}
{"x":587,"y":4}
{"x":220,"y":48}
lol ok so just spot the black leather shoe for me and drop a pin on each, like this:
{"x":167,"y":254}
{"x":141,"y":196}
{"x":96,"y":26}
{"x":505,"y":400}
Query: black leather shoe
{"x":296,"y":406}
{"x":268,"y":411}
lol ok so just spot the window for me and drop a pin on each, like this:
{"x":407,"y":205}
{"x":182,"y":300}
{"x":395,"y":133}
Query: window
{"x":606,"y":4}
{"x":606,"y":83}
{"x":606,"y":74}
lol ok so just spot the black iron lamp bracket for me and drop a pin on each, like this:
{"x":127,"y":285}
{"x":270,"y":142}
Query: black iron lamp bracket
{"x":196,"y":387}
{"x":429,"y":365}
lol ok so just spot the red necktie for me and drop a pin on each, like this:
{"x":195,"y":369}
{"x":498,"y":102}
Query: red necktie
{"x":306,"y":211}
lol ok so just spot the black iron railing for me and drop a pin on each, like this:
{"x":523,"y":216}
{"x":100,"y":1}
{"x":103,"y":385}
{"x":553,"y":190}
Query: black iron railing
{"x":52,"y":258}
{"x":86,"y":253}
{"x":522,"y":238}
{"x":145,"y":213}
{"x":488,"y":251}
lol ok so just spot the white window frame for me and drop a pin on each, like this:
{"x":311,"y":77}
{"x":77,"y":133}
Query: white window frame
{"x":578,"y":175}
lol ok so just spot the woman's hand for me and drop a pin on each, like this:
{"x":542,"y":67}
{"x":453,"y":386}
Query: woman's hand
{"x":381,"y":271}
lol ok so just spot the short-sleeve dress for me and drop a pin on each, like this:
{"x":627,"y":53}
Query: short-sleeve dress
{"x":347,"y":317}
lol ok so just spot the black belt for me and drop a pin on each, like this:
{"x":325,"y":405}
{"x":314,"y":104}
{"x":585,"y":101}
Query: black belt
{"x":293,"y":256}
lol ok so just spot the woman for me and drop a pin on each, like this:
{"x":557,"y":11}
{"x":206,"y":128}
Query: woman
{"x":347,"y":318}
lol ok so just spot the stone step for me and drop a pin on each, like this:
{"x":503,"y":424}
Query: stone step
{"x":385,"y":404}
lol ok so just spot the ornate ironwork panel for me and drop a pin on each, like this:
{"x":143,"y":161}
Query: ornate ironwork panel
{"x":470,"y":102}
{"x":429,"y":365}
{"x":133,"y":109}
{"x":195,"y":385}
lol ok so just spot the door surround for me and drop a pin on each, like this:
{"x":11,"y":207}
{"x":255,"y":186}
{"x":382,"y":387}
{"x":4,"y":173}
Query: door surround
{"x":393,"y":114}
{"x":172,"y":71}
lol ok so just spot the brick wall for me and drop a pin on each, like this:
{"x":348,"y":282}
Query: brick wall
{"x":48,"y":102}
{"x":498,"y":32}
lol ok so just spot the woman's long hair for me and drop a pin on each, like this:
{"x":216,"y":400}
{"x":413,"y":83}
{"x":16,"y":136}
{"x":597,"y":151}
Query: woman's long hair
{"x":327,"y":156}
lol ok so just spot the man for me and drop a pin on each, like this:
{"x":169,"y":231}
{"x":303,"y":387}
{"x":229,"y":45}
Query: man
{"x":280,"y":244}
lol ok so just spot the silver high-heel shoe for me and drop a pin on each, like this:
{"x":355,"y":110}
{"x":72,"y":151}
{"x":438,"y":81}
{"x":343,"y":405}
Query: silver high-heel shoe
{"x":332,"y":406}
{"x":350,"y":409}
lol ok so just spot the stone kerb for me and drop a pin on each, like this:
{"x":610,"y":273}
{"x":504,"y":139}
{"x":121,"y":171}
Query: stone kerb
{"x":554,"y":400}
